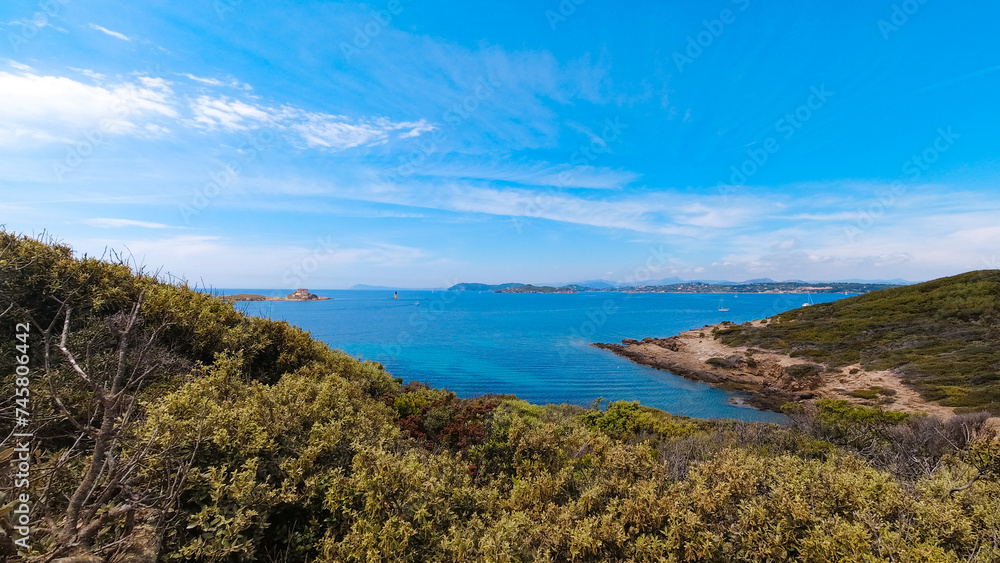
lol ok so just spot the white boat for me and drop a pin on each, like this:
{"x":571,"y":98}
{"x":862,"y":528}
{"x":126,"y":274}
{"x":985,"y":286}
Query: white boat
{"x":722,"y":307}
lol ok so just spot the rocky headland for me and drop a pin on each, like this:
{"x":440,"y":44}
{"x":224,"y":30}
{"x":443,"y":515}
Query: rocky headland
{"x":770,"y":378}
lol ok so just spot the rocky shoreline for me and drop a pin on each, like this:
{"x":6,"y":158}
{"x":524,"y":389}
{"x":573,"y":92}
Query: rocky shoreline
{"x":771,"y":379}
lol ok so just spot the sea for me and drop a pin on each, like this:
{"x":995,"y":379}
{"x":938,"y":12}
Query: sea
{"x":532,"y":345}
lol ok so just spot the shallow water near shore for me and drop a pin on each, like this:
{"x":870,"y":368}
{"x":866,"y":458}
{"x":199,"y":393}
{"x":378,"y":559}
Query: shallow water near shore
{"x":535,"y":346}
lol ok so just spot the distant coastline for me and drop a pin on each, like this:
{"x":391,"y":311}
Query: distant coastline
{"x":684,"y":287}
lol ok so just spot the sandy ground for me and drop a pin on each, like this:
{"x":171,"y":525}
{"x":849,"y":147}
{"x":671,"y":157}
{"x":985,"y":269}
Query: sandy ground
{"x":762,"y":373}
{"x":829,"y":385}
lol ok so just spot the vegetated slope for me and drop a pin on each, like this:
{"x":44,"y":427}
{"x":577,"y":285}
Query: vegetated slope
{"x":942,"y":336}
{"x":536,"y":289}
{"x":168,"y":426}
{"x":482,"y":286}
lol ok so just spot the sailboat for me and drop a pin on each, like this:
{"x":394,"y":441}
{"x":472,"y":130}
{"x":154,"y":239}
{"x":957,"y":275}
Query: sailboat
{"x":810,"y":301}
{"x":722,"y":307}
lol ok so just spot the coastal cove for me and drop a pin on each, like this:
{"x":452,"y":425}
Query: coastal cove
{"x":535,"y":346}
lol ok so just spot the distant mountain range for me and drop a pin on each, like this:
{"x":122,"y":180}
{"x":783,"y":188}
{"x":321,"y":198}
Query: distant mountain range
{"x":484,"y":286}
{"x":366,"y":287}
{"x":609,"y":285}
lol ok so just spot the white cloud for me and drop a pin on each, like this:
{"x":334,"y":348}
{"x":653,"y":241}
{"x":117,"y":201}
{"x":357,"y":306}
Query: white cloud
{"x":40,"y":22}
{"x":231,"y":82}
{"x":96,"y":76}
{"x":538,"y":174}
{"x":418,"y":128}
{"x":221,"y":262}
{"x":209,"y":81}
{"x":108,"y":223}
{"x":47,"y":109}
{"x":227,"y":113}
{"x":838,"y":216}
{"x":56,"y":109}
{"x":311,"y":129}
{"x":665,"y":214}
{"x":335,"y":132}
{"x":107,"y":31}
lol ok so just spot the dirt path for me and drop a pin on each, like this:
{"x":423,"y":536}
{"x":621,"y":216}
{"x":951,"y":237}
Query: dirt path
{"x":766,"y":375}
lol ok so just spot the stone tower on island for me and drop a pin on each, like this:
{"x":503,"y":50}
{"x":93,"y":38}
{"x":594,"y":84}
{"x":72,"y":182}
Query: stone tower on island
{"x":302,"y":295}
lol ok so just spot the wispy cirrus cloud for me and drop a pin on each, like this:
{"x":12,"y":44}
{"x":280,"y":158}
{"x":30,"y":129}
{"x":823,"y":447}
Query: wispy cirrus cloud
{"x":535,"y":174}
{"x":110,"y":223}
{"x":209,"y":81}
{"x":312,"y":129}
{"x":47,"y":109}
{"x":227,"y":114}
{"x":189,"y":256}
{"x":108,"y":32}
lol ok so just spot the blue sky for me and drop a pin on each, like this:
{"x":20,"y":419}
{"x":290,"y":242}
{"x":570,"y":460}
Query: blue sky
{"x":418,"y":144}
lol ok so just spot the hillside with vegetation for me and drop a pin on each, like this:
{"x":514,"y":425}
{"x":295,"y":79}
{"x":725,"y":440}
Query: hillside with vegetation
{"x":167,"y":426}
{"x":942,"y":337}
{"x":536,"y":289}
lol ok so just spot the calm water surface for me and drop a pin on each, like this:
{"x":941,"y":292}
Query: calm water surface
{"x":535,"y":346}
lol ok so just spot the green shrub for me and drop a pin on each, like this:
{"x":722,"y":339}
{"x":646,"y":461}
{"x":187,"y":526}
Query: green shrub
{"x":803,"y":371}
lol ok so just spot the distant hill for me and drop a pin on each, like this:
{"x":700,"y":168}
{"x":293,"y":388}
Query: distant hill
{"x":595,"y":284}
{"x":366,"y":287}
{"x":482,"y":286}
{"x":750,"y":286}
{"x":754,"y":287}
{"x":942,"y":336}
{"x":664,"y":281}
{"x":894,"y":281}
{"x":536,"y":289}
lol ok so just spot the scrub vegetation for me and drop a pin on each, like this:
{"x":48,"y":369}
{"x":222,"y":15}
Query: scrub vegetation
{"x":169,"y":426}
{"x":942,"y":337}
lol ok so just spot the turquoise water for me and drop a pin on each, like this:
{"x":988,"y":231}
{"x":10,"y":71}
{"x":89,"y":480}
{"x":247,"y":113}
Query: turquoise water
{"x":535,"y":346}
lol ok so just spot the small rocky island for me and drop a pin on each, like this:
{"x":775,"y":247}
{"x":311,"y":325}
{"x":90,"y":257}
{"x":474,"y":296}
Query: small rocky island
{"x":297,"y":295}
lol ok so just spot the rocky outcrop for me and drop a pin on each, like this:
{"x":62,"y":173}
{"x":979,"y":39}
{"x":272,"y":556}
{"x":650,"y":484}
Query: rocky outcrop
{"x":769,"y":377}
{"x":297,"y":295}
{"x":302,"y":295}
